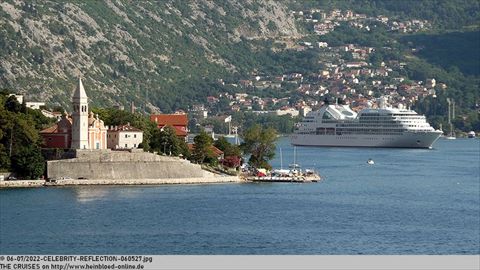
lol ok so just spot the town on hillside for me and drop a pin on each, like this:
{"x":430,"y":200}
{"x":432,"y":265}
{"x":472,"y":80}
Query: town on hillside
{"x":350,"y":72}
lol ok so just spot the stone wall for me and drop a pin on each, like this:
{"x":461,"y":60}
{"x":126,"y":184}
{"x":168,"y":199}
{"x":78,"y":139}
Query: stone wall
{"x":107,"y":164}
{"x":192,"y":180}
{"x":21,"y":183}
{"x":76,"y":182}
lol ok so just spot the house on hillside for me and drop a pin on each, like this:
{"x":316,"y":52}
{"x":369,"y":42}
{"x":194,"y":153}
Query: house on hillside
{"x":178,"y":121}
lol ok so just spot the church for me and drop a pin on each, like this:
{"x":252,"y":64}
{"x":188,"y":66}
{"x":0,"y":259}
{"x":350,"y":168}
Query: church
{"x":80,"y":130}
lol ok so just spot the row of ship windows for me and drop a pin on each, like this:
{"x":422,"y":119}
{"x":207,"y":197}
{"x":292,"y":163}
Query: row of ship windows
{"x":350,"y":133}
{"x":392,"y":115}
{"x":389,"y":115}
{"x":342,"y":132}
{"x":390,"y":118}
{"x":366,"y":130}
{"x":377,"y":125}
{"x":393,"y":121}
{"x":357,"y":126}
{"x":370,"y":122}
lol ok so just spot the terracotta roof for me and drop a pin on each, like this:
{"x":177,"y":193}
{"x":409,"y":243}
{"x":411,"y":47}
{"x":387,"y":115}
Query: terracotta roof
{"x":52,"y":129}
{"x":180,"y":132}
{"x":214,"y":149}
{"x":217,"y":151}
{"x":170,"y":119}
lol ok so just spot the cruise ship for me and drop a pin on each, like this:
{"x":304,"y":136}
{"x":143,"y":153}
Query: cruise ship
{"x":338,"y":125}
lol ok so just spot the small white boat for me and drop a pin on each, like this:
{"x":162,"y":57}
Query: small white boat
{"x":294,"y":174}
{"x":370,"y":161}
{"x":471,"y":134}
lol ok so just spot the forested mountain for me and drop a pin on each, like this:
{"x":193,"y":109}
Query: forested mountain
{"x":168,"y":55}
{"x":165,"y":52}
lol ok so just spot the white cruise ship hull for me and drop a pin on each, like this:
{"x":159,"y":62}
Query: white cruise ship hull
{"x":406,"y":140}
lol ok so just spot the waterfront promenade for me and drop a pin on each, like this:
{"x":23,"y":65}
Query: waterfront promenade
{"x":83,"y":182}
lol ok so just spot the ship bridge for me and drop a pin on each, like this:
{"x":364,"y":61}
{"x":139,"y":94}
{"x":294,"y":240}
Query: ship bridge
{"x":336,"y":112}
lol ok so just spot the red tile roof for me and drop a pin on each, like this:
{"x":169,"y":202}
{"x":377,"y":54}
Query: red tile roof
{"x":52,"y":129}
{"x":55,"y":129}
{"x":214,"y":149}
{"x":180,"y":132}
{"x":170,"y":119}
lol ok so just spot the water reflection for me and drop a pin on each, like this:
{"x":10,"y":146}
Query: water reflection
{"x":90,"y":194}
{"x":97,"y":193}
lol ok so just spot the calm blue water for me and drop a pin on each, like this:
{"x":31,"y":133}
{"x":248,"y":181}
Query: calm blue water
{"x":409,"y":202}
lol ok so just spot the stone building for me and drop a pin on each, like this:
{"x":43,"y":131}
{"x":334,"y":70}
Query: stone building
{"x":124,"y":137}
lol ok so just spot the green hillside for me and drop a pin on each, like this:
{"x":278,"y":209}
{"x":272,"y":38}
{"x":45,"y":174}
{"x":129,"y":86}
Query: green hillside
{"x":453,"y":50}
{"x":168,"y":55}
{"x":168,"y":52}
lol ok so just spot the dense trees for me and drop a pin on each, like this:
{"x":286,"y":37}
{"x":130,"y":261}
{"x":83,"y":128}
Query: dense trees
{"x":283,"y":124}
{"x":227,"y":148}
{"x":202,"y":147}
{"x":259,"y":142}
{"x":28,"y":161}
{"x":167,"y":142}
{"x":453,"y":49}
{"x":19,"y":138}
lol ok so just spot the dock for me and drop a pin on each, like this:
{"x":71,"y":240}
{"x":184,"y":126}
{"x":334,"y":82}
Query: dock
{"x":277,"y":179}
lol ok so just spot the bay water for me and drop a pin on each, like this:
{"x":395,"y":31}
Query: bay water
{"x":411,"y":201}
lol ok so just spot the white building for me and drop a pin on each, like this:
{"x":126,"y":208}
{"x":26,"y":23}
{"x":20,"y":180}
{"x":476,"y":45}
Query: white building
{"x":124,"y":137}
{"x":28,"y":104}
{"x":322,"y":44}
{"x":34,"y":105}
{"x":286,"y":111}
{"x":88,"y":131}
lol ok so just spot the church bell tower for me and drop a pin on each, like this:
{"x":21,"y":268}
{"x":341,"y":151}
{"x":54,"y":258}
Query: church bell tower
{"x":80,"y":118}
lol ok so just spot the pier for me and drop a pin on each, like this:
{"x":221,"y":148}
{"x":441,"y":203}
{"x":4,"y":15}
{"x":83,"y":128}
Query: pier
{"x":90,"y":182}
{"x":282,"y":179}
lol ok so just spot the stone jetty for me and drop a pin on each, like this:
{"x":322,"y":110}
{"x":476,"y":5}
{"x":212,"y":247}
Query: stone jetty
{"x":81,"y":182}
